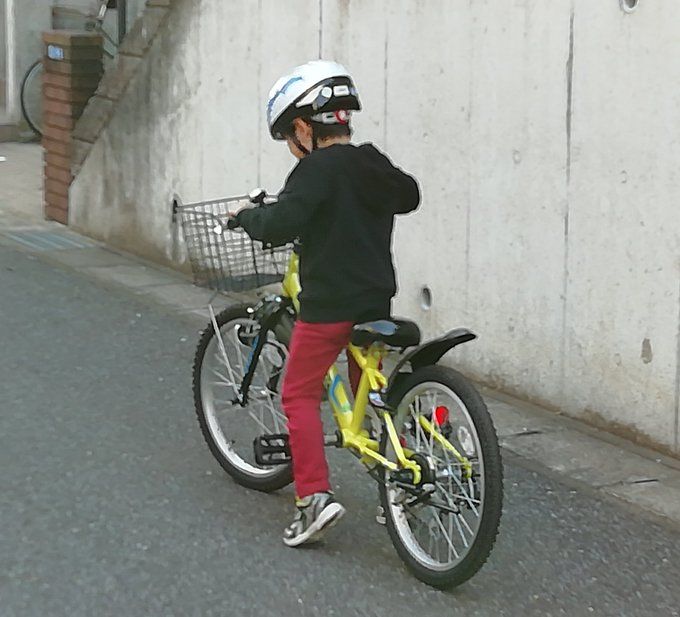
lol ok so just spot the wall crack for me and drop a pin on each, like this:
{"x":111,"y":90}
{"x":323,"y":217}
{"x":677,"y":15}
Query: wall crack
{"x":569,"y":112}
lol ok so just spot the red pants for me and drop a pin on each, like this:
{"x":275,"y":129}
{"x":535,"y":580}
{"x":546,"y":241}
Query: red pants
{"x":314,"y":348}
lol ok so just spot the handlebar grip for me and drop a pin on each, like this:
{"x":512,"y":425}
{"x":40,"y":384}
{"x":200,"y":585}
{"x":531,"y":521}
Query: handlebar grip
{"x":232,"y":223}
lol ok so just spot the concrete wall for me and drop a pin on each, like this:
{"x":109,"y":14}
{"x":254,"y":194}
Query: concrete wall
{"x":546,"y":139}
{"x":3,"y":55}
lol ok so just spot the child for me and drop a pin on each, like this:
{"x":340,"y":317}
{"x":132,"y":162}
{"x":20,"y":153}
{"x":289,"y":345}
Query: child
{"x":340,"y":201}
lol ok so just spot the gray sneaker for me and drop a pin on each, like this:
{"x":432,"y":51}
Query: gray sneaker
{"x":316,"y":513}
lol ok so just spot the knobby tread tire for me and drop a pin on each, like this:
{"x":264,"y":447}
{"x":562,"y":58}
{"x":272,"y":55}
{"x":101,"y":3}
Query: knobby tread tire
{"x":276,"y":481}
{"x":493,"y":481}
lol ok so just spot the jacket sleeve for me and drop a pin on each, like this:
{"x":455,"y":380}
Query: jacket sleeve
{"x":391,"y":189}
{"x":306,"y":189}
{"x":407,"y":192}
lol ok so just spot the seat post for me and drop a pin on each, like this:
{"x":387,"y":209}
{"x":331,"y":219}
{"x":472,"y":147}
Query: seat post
{"x":371,"y":365}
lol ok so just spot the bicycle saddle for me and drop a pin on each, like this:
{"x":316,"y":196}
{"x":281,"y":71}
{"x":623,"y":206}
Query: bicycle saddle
{"x":393,"y":332}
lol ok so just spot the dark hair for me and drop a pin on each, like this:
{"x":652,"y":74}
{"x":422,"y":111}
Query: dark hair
{"x":323,"y":131}
{"x":326,"y":131}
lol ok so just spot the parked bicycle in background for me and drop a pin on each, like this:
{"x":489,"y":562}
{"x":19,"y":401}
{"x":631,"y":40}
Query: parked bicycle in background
{"x":70,"y":17}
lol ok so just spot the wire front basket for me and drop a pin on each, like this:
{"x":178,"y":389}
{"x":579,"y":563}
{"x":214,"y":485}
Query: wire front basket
{"x":226,"y":260}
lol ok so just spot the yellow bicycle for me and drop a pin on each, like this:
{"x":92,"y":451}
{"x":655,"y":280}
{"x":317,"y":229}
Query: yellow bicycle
{"x":423,"y":432}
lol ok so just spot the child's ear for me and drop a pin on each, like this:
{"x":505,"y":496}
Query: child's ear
{"x":302,"y":127}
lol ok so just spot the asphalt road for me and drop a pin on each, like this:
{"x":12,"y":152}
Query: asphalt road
{"x":110,"y":503}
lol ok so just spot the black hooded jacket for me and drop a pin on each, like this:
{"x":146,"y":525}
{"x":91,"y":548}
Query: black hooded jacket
{"x":340,"y":201}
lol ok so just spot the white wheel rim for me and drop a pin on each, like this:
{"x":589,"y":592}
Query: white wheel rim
{"x":220,"y":376}
{"x":456,"y":533}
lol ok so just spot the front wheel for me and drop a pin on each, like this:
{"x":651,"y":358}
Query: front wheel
{"x":229,"y":428}
{"x":443,"y":529}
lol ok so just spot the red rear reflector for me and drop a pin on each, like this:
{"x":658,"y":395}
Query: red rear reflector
{"x":441,"y":415}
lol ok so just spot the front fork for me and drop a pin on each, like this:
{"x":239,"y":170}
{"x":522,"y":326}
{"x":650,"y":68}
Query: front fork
{"x":267,"y":314}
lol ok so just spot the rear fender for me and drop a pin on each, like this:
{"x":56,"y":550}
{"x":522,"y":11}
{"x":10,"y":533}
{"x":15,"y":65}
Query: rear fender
{"x":427,"y":354}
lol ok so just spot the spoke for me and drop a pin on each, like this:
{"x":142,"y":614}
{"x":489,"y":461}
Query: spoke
{"x":220,"y":410}
{"x":257,"y":421}
{"x":460,"y":529}
{"x":275,"y":413}
{"x":216,"y":330}
{"x":416,"y":526}
{"x":277,"y":417}
{"x":433,"y":423}
{"x":451,"y":531}
{"x":221,"y":384}
{"x":446,"y":536}
{"x":465,"y":523}
{"x":223,"y":379}
{"x":447,"y":494}
{"x":420,"y":431}
{"x":414,"y":420}
{"x":259,"y":407}
{"x":466,"y":497}
{"x":438,"y":544}
{"x":471,"y":487}
{"x":220,"y":343}
{"x":451,"y":473}
{"x":226,"y":364}
{"x":451,"y":497}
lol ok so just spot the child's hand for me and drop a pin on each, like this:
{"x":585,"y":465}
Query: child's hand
{"x":232,"y":222}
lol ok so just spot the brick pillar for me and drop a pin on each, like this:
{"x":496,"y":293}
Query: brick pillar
{"x":73,"y":68}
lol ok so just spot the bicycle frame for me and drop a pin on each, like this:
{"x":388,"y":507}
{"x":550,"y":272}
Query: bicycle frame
{"x":372,"y":386}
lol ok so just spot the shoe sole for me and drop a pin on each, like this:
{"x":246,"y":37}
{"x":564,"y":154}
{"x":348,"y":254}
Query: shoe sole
{"x":327,"y":519}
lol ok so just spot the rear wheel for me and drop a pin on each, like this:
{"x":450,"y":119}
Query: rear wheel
{"x":229,"y":428}
{"x":445,"y":527}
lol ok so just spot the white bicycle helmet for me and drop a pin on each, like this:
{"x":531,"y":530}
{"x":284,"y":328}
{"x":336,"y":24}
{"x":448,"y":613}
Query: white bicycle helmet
{"x":320,"y":91}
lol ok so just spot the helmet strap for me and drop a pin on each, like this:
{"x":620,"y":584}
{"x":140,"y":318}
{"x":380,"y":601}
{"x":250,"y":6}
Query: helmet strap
{"x":315,"y":145}
{"x":298,"y":145}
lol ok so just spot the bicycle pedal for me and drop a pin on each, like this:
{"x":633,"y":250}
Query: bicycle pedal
{"x":272,"y":449}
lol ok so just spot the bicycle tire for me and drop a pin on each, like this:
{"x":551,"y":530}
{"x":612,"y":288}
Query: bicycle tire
{"x":281,"y":476}
{"x":31,"y":105}
{"x":489,"y":523}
